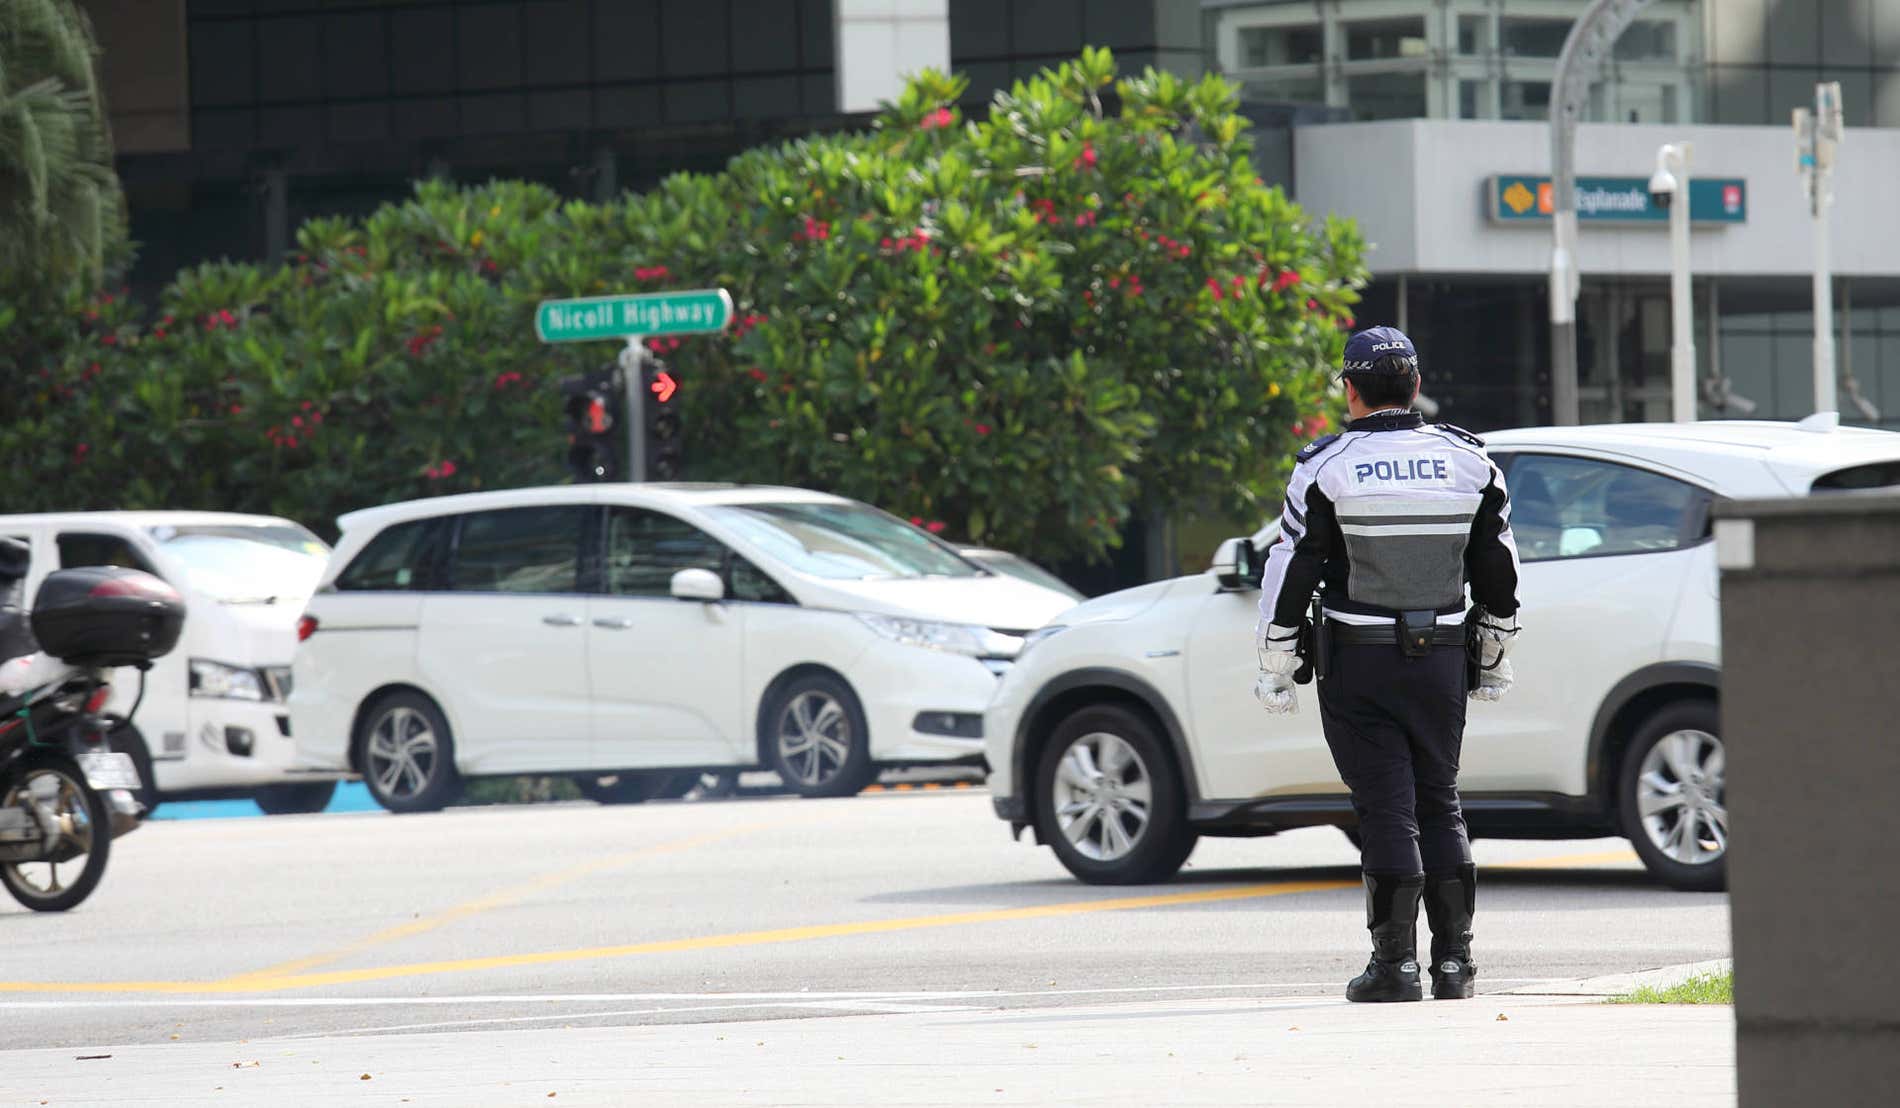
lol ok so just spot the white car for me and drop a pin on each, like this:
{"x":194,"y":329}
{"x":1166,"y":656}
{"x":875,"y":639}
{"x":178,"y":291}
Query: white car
{"x":610,"y":632}
{"x":211,"y":721}
{"x":1127,"y":728}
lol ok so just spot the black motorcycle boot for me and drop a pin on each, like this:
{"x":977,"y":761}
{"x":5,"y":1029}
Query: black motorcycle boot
{"x":1392,"y":917}
{"x":1450,"y":897}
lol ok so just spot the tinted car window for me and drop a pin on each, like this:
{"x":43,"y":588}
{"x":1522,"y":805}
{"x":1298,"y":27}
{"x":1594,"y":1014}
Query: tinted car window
{"x":749,"y":582}
{"x":1575,"y":507}
{"x":519,"y":550}
{"x":1877,"y":475}
{"x":78,"y":549}
{"x":645,"y":549}
{"x":403,"y":557}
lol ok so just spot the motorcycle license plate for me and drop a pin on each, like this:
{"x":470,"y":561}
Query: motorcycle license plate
{"x":109,"y":771}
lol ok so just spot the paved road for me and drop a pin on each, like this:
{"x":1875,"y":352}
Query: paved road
{"x":583,"y":916}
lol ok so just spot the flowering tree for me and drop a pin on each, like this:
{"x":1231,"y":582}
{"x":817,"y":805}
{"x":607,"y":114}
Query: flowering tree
{"x":1019,"y":328}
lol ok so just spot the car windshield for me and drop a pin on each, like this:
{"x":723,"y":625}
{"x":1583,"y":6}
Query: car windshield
{"x":1024,"y":570}
{"x":843,"y":541}
{"x":245,"y":562}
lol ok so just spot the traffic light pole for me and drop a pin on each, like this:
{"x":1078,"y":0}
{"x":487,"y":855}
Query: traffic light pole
{"x":632,"y":360}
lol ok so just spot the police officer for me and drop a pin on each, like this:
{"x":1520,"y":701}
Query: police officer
{"x":1394,"y":517}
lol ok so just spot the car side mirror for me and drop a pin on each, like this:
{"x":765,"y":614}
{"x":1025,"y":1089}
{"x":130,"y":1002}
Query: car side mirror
{"x":1236,"y":565}
{"x":698,"y":584}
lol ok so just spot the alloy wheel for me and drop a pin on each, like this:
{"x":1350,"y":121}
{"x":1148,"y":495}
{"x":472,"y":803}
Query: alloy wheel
{"x":1682,"y":799}
{"x":401,"y":753}
{"x":1103,"y":796}
{"x":58,"y":792}
{"x":814,"y":737}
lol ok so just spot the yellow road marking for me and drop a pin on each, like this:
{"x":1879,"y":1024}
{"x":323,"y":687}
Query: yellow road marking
{"x":256,"y":983}
{"x":503,"y":898}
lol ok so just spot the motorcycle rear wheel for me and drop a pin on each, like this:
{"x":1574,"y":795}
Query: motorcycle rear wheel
{"x":51,"y":885}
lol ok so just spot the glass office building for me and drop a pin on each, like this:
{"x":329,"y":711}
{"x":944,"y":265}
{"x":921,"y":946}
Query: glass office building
{"x":1723,"y":73}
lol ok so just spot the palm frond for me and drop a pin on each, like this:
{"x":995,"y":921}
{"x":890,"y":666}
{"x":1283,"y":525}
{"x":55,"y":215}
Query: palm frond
{"x":61,"y":207}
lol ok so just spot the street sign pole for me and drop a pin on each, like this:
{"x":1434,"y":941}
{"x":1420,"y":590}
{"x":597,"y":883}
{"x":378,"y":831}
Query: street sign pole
{"x":1682,"y":394}
{"x":634,"y":318}
{"x":632,"y":361}
{"x":1817,"y":134}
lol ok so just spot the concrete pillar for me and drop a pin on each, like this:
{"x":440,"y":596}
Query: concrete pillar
{"x":1811,"y":719}
{"x":880,"y":43}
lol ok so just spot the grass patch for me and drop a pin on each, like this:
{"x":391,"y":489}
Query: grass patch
{"x":1714,"y":988}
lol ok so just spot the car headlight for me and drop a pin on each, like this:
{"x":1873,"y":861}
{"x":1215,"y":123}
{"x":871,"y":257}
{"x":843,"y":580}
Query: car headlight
{"x":215,"y":679}
{"x":955,"y":638}
{"x":1042,"y":633}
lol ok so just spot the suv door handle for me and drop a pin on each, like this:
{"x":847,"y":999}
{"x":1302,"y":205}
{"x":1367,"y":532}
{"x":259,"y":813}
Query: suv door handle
{"x":561,"y":619}
{"x":614,"y":624}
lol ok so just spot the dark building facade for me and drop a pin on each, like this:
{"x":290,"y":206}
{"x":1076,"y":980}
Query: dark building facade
{"x":239,"y":119}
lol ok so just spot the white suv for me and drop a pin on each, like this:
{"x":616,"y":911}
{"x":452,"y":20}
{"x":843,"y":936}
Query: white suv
{"x":1127,"y":729}
{"x":614,"y":631}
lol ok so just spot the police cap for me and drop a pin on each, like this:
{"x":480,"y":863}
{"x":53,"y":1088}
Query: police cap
{"x":1368,"y":351}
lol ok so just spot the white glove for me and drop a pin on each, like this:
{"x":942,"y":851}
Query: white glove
{"x":1495,"y":636}
{"x":1494,"y":682}
{"x":1274,"y":687}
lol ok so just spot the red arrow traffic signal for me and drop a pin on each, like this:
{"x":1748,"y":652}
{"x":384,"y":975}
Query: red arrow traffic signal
{"x":664,"y":386}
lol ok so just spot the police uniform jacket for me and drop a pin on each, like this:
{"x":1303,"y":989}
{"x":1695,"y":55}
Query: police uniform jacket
{"x":1392,"y":514}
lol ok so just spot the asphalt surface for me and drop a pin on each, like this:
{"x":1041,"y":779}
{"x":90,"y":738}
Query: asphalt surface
{"x":575,"y":914}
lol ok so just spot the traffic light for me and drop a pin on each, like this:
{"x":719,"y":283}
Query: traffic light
{"x":592,"y":400}
{"x":664,"y":445}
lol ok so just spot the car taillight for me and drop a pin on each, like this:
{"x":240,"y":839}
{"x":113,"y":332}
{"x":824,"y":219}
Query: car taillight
{"x":96,"y":703}
{"x":306,"y":627}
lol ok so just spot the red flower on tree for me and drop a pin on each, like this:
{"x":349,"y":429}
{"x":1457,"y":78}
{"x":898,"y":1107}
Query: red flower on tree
{"x":942,"y":117}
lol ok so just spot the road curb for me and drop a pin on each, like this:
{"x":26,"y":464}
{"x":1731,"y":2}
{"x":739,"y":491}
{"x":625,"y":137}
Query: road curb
{"x":1619,"y":984}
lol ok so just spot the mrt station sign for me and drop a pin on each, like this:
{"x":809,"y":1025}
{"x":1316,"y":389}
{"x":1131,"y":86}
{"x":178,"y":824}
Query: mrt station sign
{"x":1524,"y":199}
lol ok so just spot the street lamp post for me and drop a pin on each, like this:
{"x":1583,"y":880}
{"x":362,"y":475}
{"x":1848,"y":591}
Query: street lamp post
{"x":1671,"y":185}
{"x":1578,"y":65}
{"x":1817,"y":134}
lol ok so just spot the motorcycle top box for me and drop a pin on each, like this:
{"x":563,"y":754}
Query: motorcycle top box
{"x":107,"y":616}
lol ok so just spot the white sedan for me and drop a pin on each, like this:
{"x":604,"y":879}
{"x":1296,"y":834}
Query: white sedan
{"x":1127,"y":728}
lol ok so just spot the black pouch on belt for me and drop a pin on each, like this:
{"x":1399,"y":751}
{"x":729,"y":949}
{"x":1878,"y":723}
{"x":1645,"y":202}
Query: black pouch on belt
{"x":1473,"y":648}
{"x":1417,"y":629}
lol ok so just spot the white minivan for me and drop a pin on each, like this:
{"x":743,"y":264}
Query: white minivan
{"x":624,"y":634}
{"x":212,"y":721}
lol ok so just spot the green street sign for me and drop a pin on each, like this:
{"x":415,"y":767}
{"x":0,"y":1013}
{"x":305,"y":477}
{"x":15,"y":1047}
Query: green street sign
{"x":1521,"y":198}
{"x":690,"y":312}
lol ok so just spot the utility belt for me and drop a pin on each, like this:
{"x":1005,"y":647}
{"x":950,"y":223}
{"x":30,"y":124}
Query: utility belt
{"x":1414,"y":633}
{"x":1354,"y":634}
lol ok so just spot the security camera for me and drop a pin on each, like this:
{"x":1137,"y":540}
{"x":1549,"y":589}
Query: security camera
{"x":1662,"y":188}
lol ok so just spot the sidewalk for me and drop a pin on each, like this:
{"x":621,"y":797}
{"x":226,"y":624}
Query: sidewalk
{"x":1318,"y":1051}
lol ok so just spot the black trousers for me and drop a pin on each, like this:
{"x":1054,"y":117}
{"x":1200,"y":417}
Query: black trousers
{"x":1395,"y":726}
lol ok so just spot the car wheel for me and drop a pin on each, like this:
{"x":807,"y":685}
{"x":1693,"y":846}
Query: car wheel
{"x":125,"y":739}
{"x":1109,"y":800}
{"x":624,"y":788}
{"x":302,"y":799}
{"x":1672,"y":797}
{"x":816,"y":738}
{"x":407,"y":754}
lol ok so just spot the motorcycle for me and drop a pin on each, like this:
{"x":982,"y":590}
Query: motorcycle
{"x":64,"y":794}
